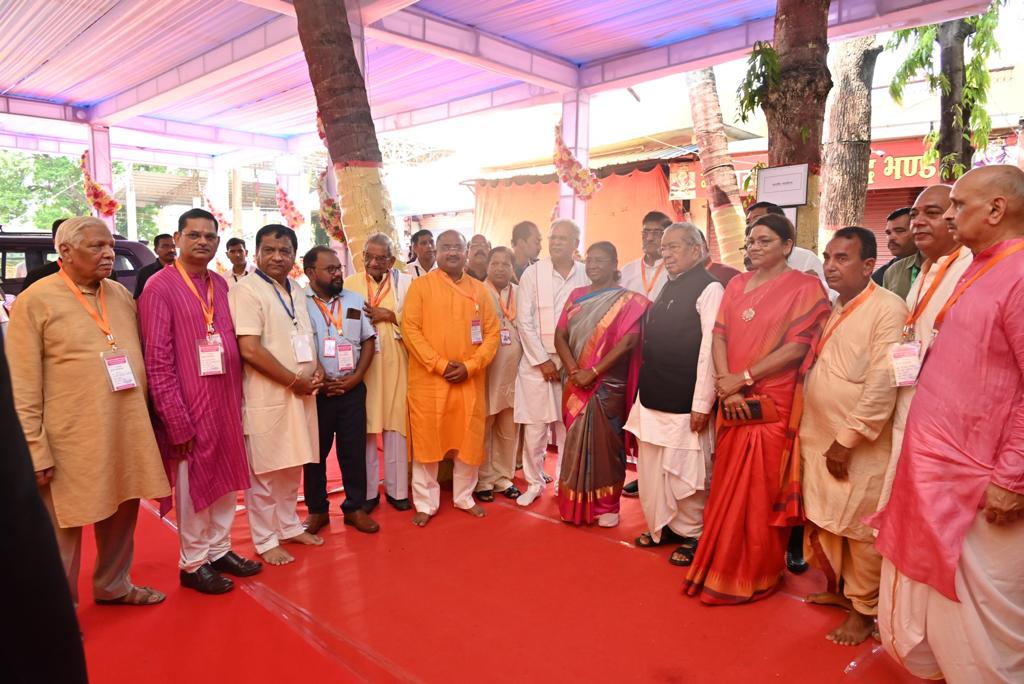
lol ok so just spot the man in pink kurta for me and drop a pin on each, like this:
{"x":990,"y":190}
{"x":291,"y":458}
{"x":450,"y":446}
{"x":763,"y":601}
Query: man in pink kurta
{"x":198,"y":411}
{"x":952,"y":534}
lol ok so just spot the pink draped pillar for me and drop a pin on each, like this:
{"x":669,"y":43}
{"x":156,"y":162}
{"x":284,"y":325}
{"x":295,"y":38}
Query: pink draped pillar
{"x":100,"y":163}
{"x":576,"y":135}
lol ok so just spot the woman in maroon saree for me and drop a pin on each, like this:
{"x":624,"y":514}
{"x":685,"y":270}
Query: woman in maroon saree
{"x":764,"y":338}
{"x":597,"y":339}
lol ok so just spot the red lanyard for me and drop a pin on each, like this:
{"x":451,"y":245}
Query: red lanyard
{"x":382,"y":290}
{"x":330,"y":317}
{"x":507,"y":308}
{"x":207,"y":305}
{"x":922,"y":302}
{"x":102,"y":317}
{"x":973,"y":279}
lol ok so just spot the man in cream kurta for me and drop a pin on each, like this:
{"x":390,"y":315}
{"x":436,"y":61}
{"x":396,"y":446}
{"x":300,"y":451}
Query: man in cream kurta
{"x":543,"y":291}
{"x":388,"y":377}
{"x":845,"y":432}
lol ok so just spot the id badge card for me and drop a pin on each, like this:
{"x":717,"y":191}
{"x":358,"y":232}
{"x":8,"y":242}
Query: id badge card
{"x":506,"y":337}
{"x":376,"y":344}
{"x":330,"y":348}
{"x":906,"y":363}
{"x":302,"y":347}
{"x":210,"y":352}
{"x":476,"y":332}
{"x":346,"y":357}
{"x":119,"y":370}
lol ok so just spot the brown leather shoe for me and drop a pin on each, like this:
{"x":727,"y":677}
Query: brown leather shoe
{"x":315,"y":521}
{"x":360,"y":520}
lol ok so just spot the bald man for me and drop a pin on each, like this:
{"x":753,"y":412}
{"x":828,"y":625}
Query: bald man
{"x":952,"y":534}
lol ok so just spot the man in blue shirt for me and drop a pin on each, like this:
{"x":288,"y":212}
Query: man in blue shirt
{"x":345,"y":340}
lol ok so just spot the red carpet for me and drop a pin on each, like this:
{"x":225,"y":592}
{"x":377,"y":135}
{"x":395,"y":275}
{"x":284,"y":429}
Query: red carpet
{"x":517,"y":596}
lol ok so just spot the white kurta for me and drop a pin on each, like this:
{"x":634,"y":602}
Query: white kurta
{"x":414,"y":269}
{"x":539,"y":400}
{"x":633,"y":275}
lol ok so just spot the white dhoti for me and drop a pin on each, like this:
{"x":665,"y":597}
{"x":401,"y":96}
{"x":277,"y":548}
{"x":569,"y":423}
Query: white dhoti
{"x":396,"y":465}
{"x":271,"y":504}
{"x":204,"y":536}
{"x":426,"y":492}
{"x":978,"y":640}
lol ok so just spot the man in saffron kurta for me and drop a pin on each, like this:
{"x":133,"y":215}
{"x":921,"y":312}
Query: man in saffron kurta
{"x":197,"y":403}
{"x":452,"y":333}
{"x":952,"y":534}
{"x":385,"y":287}
{"x":846,"y":430}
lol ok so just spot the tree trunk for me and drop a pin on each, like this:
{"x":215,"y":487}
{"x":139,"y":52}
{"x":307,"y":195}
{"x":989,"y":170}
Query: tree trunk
{"x":845,"y":176}
{"x":795,"y":107}
{"x":713,"y":147}
{"x":345,"y":109}
{"x":952,"y":36}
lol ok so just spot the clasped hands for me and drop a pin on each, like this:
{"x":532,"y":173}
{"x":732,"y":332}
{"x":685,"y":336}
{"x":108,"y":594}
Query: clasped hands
{"x":455,"y":372}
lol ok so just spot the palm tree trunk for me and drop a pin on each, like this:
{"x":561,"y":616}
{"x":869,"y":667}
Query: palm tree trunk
{"x":716,"y":162}
{"x":345,"y":109}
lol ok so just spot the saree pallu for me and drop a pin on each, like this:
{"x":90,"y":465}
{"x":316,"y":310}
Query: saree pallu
{"x":755,"y":487}
{"x":593,"y":464}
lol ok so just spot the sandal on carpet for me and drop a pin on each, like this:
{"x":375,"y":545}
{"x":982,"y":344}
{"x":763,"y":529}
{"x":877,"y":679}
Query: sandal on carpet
{"x":487,"y":495}
{"x":136,"y":596}
{"x":512,"y":492}
{"x":645,"y":540}
{"x":683,"y":555}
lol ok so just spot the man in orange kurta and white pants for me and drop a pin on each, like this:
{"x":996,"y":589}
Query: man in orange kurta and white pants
{"x":452,"y":333}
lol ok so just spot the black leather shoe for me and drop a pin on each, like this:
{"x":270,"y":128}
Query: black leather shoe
{"x":797,"y":566}
{"x":632,"y":489}
{"x":399,"y":504}
{"x":233,"y":564}
{"x":206,"y":580}
{"x":371,"y":504}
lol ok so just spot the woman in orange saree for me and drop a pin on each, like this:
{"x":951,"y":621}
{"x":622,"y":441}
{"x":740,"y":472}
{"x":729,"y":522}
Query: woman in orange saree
{"x":764,"y":338}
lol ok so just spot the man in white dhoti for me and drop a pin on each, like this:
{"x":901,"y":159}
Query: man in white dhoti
{"x":543,"y":291}
{"x":671,"y":418}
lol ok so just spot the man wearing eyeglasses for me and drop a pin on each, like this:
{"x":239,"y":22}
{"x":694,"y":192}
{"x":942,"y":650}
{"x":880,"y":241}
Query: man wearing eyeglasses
{"x":647,"y":274}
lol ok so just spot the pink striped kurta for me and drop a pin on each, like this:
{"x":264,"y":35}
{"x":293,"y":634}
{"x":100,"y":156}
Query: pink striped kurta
{"x":187,"y":406}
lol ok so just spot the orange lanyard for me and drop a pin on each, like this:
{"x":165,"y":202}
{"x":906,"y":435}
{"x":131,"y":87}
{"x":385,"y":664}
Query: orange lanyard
{"x":643,"y":276}
{"x":922,"y":302}
{"x":850,"y":308}
{"x":509,"y":308}
{"x":330,"y":318}
{"x":382,"y":290}
{"x":470,"y":297}
{"x":101,"y":318}
{"x":964,"y":286}
{"x":206,"y":304}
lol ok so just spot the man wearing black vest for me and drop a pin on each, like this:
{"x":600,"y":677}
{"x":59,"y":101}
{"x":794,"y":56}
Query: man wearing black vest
{"x":671,"y":418}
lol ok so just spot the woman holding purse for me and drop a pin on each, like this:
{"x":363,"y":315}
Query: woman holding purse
{"x":763,"y":344}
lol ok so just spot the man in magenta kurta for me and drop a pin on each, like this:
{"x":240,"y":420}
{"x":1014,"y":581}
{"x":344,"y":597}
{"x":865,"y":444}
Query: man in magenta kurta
{"x":952,"y":534}
{"x":195,"y":382}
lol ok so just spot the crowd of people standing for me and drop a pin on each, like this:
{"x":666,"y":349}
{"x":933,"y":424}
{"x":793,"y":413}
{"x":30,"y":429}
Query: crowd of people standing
{"x":805,"y":408}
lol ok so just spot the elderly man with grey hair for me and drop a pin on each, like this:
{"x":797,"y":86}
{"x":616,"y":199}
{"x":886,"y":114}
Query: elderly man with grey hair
{"x":80,"y":392}
{"x":384,"y":287}
{"x":671,"y":418}
{"x":543,"y":291}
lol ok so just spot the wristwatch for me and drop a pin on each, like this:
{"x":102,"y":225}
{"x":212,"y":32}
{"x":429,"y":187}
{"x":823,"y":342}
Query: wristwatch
{"x":748,"y":379}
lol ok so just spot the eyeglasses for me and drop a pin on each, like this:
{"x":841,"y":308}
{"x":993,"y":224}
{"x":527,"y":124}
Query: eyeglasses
{"x":598,"y":261}
{"x":761,"y":243}
{"x":331,"y":270}
{"x":196,"y":237}
{"x":451,"y":248}
{"x":372,"y":258}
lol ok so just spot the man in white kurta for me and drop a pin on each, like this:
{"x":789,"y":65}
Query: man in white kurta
{"x":278,"y":410}
{"x":384,"y":288}
{"x":543,"y":291}
{"x":671,"y":418}
{"x":647,"y":275}
{"x":845,"y":432}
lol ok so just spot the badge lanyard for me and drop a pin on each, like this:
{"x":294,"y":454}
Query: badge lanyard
{"x":962,"y":288}
{"x":476,"y":334}
{"x":850,"y":308}
{"x":643,"y":276}
{"x":922,"y":301}
{"x":288,"y":289}
{"x":207,"y":304}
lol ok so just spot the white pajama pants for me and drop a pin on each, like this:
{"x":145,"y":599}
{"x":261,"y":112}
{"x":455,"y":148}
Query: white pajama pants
{"x":396,"y":466}
{"x":204,"y":536}
{"x":426,"y":492}
{"x":271,"y":503}
{"x":536,"y":437}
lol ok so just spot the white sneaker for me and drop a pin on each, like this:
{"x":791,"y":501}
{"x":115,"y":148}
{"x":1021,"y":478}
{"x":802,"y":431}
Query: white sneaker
{"x":608,"y":520}
{"x":529,"y":496}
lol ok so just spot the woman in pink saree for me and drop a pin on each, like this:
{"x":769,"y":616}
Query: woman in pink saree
{"x":597,"y":339}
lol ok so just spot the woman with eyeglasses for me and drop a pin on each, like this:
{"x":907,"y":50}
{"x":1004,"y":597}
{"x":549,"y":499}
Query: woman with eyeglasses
{"x":597,"y":338}
{"x":767,"y":327}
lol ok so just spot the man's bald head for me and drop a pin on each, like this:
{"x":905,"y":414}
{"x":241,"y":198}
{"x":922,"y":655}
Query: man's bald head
{"x":931,"y":228}
{"x":987,"y":206}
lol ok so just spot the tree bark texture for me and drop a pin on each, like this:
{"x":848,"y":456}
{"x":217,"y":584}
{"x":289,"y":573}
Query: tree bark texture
{"x":952,"y":36}
{"x":345,"y":109}
{"x":795,"y":107}
{"x":716,"y":162}
{"x":848,"y":150}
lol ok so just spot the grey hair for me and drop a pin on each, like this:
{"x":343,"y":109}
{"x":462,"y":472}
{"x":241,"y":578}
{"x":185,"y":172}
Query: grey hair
{"x":567,"y":222}
{"x":70,"y":232}
{"x":382,"y":240}
{"x":692,"y":235}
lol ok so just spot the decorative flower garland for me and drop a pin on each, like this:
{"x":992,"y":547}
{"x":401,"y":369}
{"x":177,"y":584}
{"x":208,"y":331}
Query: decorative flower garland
{"x":571,"y":172}
{"x":95,"y":194}
{"x":292,"y":216}
{"x":222,"y":220}
{"x":330,"y":212}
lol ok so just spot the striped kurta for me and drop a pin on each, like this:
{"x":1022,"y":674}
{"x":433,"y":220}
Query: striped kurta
{"x":206,"y":409}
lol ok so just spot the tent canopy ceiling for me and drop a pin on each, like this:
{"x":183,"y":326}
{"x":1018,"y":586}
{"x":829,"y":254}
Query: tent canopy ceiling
{"x":231,"y":73}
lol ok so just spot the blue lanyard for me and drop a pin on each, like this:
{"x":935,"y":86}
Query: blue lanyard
{"x":288,"y":287}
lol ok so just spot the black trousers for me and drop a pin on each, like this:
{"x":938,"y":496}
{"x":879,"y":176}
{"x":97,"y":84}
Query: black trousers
{"x":342,"y":418}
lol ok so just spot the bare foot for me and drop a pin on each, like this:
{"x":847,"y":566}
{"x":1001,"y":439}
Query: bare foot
{"x":476,"y":511}
{"x":854,"y":630}
{"x":421,"y":519}
{"x":827,"y":598}
{"x":305,"y":538}
{"x":277,"y":556}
